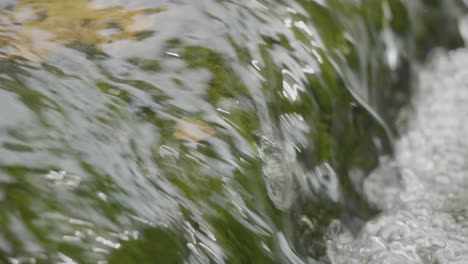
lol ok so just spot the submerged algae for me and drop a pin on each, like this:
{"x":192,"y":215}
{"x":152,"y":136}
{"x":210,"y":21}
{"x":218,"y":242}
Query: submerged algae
{"x":313,"y":79}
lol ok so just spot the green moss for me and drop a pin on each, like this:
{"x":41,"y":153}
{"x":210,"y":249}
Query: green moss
{"x":173,"y":42}
{"x":240,"y":244}
{"x":141,"y":35}
{"x":113,"y":91}
{"x":146,"y":65}
{"x":342,"y":134}
{"x":155,"y":245}
{"x":224,"y":83}
{"x":90,"y":50}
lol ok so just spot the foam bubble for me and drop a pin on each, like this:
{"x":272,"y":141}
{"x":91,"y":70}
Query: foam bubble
{"x":422,"y":192}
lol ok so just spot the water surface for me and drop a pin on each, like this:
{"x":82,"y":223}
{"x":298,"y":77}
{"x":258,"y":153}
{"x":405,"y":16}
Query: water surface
{"x":199,"y":131}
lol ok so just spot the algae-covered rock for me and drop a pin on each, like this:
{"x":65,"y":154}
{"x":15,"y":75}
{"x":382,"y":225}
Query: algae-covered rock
{"x":199,"y":131}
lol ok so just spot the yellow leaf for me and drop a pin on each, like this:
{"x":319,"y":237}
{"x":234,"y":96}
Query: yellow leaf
{"x":192,"y":130}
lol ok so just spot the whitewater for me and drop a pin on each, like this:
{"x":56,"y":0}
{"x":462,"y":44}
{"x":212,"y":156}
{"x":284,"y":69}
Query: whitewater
{"x":423,"y":190}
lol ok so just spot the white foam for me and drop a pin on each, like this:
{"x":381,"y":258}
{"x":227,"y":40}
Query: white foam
{"x":423,"y":192}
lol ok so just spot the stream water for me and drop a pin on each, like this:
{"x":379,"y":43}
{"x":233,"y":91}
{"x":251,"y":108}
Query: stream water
{"x":422,"y":192}
{"x":217,"y":131}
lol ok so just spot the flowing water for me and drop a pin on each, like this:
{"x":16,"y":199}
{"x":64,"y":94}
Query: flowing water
{"x":217,"y":131}
{"x":423,"y":191}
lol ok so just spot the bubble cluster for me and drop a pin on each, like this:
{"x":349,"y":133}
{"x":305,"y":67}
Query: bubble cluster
{"x":422,"y":192}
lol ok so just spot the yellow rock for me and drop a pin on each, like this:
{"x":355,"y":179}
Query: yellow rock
{"x":193,"y":130}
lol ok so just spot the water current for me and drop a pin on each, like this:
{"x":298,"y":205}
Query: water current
{"x":217,"y":131}
{"x":423,"y":191}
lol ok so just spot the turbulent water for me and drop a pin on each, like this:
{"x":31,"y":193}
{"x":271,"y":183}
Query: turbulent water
{"x":139,"y":131}
{"x":423,"y":191}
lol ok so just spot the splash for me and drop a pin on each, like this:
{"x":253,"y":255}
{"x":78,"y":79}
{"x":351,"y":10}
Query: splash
{"x":423,"y":191}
